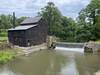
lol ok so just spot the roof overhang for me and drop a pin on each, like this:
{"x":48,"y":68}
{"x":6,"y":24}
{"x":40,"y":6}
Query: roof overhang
{"x":24,"y":27}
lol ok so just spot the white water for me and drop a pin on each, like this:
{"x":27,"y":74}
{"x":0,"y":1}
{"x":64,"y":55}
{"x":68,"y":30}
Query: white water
{"x":70,"y":49}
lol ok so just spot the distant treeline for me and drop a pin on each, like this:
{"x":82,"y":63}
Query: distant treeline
{"x":6,"y":21}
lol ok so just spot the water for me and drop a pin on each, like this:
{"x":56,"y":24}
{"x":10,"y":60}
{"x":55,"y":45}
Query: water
{"x":53,"y":63}
{"x":76,"y":47}
{"x":70,"y":49}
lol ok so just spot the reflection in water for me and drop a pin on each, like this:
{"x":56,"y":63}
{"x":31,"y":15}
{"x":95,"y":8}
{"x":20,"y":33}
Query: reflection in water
{"x":88,"y":64}
{"x":53,"y":63}
{"x":69,"y":70}
{"x":41,"y":63}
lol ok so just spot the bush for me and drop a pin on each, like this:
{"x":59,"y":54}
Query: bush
{"x":3,"y":39}
{"x":5,"y":45}
{"x":3,"y":34}
{"x":98,"y":42}
{"x":6,"y":57}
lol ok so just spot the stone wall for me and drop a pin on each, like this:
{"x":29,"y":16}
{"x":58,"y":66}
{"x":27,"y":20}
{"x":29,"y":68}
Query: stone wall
{"x":51,"y":40}
{"x":91,"y":46}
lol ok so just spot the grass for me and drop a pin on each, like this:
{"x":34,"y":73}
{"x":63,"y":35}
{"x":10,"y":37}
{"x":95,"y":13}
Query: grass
{"x":3,"y":36}
{"x":7,"y":53}
{"x":3,"y":39}
{"x":98,"y":42}
{"x":6,"y":56}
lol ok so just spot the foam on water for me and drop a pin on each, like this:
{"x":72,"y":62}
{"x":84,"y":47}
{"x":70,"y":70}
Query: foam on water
{"x":70,"y":49}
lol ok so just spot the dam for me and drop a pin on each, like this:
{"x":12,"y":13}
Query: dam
{"x":76,"y":47}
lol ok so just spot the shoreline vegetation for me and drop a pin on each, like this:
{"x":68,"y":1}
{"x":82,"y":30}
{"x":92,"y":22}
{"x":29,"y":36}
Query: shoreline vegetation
{"x":6,"y":56}
{"x":9,"y":53}
{"x":98,"y":42}
{"x":6,"y":52}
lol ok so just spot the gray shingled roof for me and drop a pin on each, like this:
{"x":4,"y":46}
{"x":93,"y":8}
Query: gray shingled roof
{"x":25,"y":27}
{"x":31,"y":20}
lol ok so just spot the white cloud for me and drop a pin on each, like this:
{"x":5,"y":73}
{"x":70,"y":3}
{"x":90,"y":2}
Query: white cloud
{"x":31,"y":7}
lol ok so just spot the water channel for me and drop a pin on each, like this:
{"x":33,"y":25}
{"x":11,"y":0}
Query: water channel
{"x":53,"y":63}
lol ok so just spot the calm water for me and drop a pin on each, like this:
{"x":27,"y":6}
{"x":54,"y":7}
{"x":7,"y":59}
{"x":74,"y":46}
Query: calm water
{"x":53,"y":63}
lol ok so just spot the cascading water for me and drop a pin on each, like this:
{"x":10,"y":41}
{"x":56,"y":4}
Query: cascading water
{"x":77,"y":47}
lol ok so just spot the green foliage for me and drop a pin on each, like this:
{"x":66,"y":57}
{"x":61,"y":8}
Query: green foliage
{"x":6,"y":21}
{"x":98,"y":42}
{"x":97,"y":27}
{"x":89,"y":22}
{"x":58,"y":25}
{"x":69,"y":29}
{"x":19,"y":20}
{"x":3,"y":39}
{"x":3,"y":34}
{"x":6,"y":56}
{"x":52,"y":17}
{"x":83,"y":34}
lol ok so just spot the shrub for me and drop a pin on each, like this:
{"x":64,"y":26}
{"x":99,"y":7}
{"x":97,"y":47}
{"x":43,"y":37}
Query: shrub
{"x":6,"y":56}
{"x":3,"y":34}
{"x":5,"y":45}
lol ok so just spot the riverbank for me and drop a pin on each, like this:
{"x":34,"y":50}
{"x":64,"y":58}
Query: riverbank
{"x":9,"y":52}
{"x":7,"y":55}
{"x":98,"y":42}
{"x":92,"y":46}
{"x":27,"y":50}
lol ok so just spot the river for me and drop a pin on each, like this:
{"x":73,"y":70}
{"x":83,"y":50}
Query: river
{"x":53,"y":63}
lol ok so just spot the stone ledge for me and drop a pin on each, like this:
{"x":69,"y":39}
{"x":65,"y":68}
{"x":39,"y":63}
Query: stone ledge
{"x":91,"y":47}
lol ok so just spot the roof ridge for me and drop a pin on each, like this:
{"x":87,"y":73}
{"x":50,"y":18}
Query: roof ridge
{"x":31,"y":20}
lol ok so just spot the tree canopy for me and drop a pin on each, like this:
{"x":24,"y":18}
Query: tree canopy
{"x":52,"y":17}
{"x":88,"y":20}
{"x":58,"y":25}
{"x":6,"y":21}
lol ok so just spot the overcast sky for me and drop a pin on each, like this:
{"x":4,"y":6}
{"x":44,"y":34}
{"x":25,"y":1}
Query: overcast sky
{"x":68,"y":8}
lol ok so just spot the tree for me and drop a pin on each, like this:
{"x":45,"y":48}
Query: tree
{"x":93,"y":14}
{"x":88,"y":22}
{"x":19,"y":20}
{"x":97,"y":27}
{"x":6,"y":21}
{"x":69,"y":29}
{"x":52,"y":17}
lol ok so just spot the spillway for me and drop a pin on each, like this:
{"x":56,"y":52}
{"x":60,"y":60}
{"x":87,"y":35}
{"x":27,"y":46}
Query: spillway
{"x":77,"y":47}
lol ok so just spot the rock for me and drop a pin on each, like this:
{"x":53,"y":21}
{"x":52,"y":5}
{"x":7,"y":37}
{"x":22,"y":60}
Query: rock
{"x":51,"y":41}
{"x":89,"y":50}
{"x":90,"y":47}
{"x":97,"y":73}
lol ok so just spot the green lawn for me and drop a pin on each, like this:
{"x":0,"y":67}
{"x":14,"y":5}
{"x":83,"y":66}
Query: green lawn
{"x":3,"y":39}
{"x":3,"y":33}
{"x":98,"y":42}
{"x":6,"y":56}
{"x":3,"y":36}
